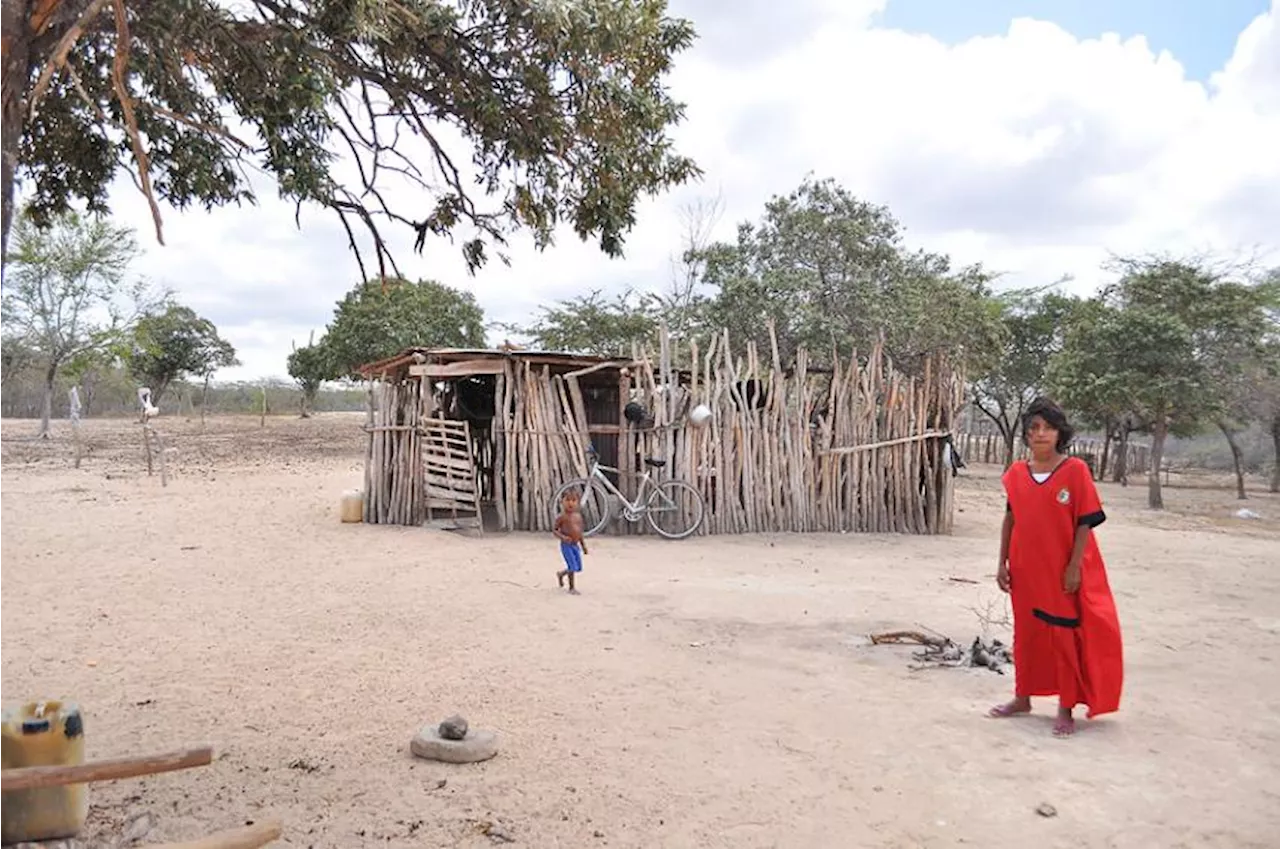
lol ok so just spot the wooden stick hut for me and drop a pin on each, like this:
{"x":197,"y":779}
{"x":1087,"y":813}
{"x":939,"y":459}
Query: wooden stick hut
{"x":859,"y":447}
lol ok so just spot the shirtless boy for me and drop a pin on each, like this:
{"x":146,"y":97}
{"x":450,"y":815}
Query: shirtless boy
{"x":568,"y":529}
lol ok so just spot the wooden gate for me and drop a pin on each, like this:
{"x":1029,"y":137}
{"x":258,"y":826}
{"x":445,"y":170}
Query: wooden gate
{"x":449,"y":470}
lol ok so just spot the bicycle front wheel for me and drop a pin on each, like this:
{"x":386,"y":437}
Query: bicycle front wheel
{"x":675,"y":509}
{"x":594,"y":503}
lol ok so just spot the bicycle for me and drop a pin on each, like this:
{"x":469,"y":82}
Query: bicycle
{"x":668,"y":497}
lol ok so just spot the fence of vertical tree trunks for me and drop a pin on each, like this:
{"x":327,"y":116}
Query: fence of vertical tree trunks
{"x":858,"y":447}
{"x":989,"y":448}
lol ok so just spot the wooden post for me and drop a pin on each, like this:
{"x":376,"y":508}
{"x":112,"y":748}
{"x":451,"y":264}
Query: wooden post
{"x":370,"y":473}
{"x":164,"y":463}
{"x":32,"y":777}
{"x":204,"y":399}
{"x":146,"y":445}
{"x":75,"y":422}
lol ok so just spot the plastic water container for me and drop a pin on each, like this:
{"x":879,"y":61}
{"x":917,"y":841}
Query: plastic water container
{"x":352,"y":509}
{"x":47,"y":733}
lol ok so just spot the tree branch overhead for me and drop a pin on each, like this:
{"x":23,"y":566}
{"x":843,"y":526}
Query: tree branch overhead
{"x":563,"y":106}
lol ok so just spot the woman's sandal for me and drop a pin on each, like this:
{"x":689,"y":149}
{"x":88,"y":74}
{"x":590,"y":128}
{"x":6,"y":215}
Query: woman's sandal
{"x":1006,"y":710}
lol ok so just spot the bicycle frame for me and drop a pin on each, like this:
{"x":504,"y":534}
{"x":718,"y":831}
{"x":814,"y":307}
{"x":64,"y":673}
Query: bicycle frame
{"x":631,"y":510}
{"x":651,"y":498}
{"x":597,"y":472}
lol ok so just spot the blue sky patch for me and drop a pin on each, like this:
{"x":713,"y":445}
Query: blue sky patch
{"x":1201,"y":34}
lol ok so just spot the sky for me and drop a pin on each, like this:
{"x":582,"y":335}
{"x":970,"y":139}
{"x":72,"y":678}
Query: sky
{"x":1037,"y":137}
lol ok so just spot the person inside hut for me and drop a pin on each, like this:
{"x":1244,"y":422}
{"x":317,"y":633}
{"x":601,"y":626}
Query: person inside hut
{"x":568,"y":528}
{"x":1066,"y":634}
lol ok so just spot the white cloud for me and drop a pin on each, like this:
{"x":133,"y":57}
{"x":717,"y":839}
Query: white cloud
{"x":1033,"y":152}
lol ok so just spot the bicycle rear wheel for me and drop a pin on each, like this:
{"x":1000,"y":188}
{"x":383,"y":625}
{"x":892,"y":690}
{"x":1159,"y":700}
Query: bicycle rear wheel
{"x":594,"y":504}
{"x":675,"y":509}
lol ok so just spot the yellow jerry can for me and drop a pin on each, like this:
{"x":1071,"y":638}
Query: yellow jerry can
{"x":48,"y":733}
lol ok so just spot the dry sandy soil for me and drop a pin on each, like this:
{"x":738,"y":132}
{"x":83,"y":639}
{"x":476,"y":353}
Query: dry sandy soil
{"x":706,"y":693}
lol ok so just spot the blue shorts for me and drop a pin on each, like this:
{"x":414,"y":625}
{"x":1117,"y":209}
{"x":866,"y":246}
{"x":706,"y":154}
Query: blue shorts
{"x":572,"y":556}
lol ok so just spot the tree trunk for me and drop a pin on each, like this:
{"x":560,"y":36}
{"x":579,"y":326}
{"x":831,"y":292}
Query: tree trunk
{"x":1159,"y":430}
{"x":1237,"y":457}
{"x":308,"y":402}
{"x":88,"y":382}
{"x":1108,"y":434}
{"x":46,"y":408}
{"x":16,"y":76}
{"x":1010,"y":435}
{"x":204,"y":400}
{"x":1121,"y":474}
{"x":1275,"y":445}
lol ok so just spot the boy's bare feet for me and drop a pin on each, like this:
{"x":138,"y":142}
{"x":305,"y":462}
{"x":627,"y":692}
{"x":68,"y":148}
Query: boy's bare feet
{"x":574,"y":592}
{"x":560,"y":579}
{"x":1019,"y":705}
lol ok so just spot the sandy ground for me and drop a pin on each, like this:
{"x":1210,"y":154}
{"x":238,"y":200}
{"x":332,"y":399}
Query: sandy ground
{"x":705,"y":693}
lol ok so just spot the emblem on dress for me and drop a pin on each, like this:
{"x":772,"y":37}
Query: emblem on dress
{"x":1064,"y":497}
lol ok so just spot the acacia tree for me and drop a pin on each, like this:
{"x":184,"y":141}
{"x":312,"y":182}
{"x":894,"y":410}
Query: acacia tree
{"x":63,"y":292}
{"x":830,"y":271}
{"x":1265,"y":403}
{"x":1164,"y":344}
{"x":1139,"y":359}
{"x":309,"y":366}
{"x":1034,"y":322}
{"x":16,"y":355}
{"x":592,"y":324}
{"x":564,"y":105}
{"x":379,"y":318}
{"x":1088,"y":375}
{"x":1267,"y":406}
{"x":170,"y":345}
{"x":1240,"y":350}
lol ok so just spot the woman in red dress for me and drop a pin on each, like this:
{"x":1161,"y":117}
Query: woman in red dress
{"x":1066,"y":635}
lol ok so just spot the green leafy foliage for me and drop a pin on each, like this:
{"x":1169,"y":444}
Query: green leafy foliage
{"x":590,"y":324}
{"x":1167,"y":345}
{"x":1034,"y":322}
{"x":827,"y":269}
{"x":174,"y":344}
{"x":374,"y":321}
{"x":564,"y":106}
{"x":831,"y":273}
{"x":310,"y":367}
{"x":64,"y":292}
{"x":16,"y":355}
{"x":1137,"y":359}
{"x":1086,"y":374}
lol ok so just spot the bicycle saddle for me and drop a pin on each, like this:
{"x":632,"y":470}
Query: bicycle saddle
{"x":654,"y":462}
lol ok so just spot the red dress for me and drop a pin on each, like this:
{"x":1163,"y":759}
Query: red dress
{"x":1064,"y":644}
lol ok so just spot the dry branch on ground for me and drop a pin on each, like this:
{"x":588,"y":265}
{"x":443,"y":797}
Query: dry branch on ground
{"x":941,"y":651}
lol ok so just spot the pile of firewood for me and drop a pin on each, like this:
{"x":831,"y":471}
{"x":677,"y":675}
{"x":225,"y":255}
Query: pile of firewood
{"x":941,"y":651}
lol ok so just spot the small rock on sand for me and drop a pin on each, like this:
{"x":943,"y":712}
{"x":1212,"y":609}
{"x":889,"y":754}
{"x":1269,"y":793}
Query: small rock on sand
{"x":453,"y":728}
{"x":478,"y":746}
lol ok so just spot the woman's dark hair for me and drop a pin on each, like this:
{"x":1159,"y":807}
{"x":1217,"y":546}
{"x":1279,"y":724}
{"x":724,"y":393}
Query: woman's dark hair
{"x":1053,"y":416}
